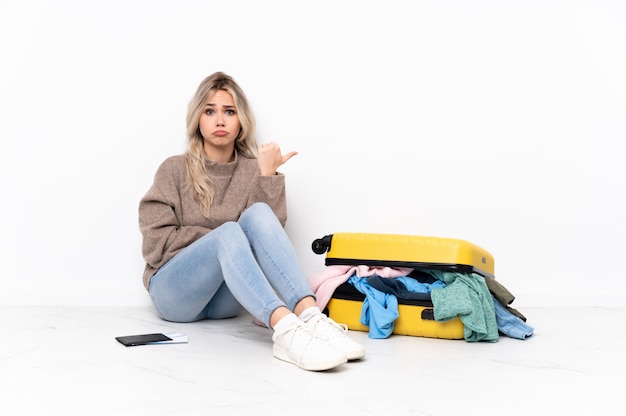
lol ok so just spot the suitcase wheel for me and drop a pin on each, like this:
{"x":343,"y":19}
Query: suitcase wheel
{"x":322,"y":245}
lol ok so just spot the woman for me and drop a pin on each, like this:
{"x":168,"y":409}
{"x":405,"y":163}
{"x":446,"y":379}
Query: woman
{"x":213,"y":236}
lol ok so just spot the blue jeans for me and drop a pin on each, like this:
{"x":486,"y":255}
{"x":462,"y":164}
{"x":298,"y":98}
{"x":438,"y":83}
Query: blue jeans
{"x":247,"y":264}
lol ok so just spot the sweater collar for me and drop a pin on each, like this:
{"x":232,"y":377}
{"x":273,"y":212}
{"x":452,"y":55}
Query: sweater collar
{"x":222,"y":168}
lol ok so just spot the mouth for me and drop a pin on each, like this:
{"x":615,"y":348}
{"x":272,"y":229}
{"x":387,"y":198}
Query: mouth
{"x":220,"y":133}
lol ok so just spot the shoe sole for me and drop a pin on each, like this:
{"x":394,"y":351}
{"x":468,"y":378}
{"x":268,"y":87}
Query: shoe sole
{"x":312,"y":366}
{"x":355,"y":355}
{"x":351,"y":355}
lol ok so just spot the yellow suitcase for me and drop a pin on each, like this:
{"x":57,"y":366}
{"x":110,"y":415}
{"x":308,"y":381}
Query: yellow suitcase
{"x":416,"y":317}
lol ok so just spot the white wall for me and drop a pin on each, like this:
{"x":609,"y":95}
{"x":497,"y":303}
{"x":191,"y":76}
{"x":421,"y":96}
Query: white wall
{"x":498,"y":122}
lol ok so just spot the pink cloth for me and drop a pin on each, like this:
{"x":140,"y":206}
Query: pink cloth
{"x":326,"y":281}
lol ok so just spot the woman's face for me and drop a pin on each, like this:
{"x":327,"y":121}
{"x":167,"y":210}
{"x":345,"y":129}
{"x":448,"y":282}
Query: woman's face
{"x":219,"y":124}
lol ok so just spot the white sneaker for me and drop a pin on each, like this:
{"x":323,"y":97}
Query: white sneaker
{"x":301,"y":347}
{"x":336,"y":334}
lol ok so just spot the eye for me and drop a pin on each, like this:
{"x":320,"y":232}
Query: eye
{"x":209,"y":111}
{"x":231,"y":112}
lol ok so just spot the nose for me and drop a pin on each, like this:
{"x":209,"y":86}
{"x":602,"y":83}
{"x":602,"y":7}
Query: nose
{"x":220,"y":120}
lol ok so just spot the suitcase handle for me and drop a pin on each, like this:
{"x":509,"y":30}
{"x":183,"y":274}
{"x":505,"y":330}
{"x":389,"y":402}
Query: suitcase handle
{"x":428,"y":315}
{"x":322,"y":245}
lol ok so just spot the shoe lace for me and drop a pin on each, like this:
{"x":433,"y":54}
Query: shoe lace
{"x":300,"y":331}
{"x":328,"y":326}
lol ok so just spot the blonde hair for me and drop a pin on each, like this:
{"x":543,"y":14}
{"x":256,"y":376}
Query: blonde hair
{"x":195,"y":158}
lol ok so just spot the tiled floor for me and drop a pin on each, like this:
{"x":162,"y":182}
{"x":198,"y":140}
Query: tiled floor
{"x":66,"y":361}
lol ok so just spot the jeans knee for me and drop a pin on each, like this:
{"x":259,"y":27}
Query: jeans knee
{"x":230,"y":227}
{"x":231,"y":235}
{"x":259,"y":208}
{"x":258,"y":215}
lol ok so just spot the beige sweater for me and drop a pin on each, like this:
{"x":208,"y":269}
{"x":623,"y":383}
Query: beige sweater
{"x":169,"y":215}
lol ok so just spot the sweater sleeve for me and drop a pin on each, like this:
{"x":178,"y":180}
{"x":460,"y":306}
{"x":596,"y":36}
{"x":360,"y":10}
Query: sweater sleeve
{"x":271,"y":190}
{"x":159,"y":220}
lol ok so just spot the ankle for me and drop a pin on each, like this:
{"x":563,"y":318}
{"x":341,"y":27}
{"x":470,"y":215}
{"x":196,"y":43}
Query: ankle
{"x":309,"y":312}
{"x":285,"y":323}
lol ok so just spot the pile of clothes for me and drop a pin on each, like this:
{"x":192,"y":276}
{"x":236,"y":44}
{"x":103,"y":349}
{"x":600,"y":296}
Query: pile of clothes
{"x":482,"y":304}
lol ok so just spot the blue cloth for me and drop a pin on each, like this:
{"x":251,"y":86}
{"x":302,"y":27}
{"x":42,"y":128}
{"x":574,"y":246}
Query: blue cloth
{"x":415,"y":286}
{"x":379,"y":310}
{"x":510,"y":324}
